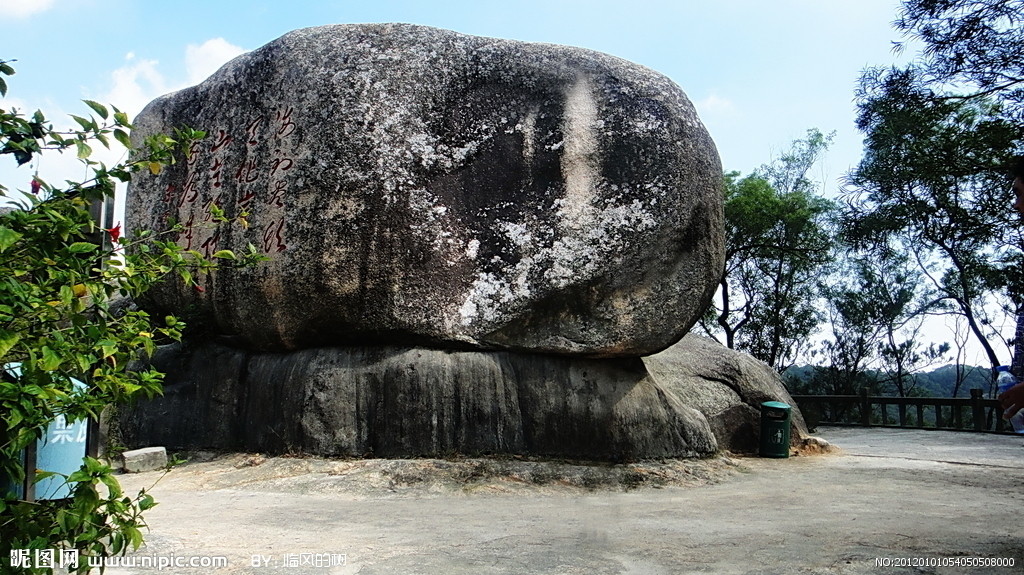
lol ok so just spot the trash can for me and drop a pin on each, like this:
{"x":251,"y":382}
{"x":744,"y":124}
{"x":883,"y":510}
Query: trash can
{"x":775,"y":417}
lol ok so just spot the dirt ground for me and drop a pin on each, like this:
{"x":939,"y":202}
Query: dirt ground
{"x":888,"y":501}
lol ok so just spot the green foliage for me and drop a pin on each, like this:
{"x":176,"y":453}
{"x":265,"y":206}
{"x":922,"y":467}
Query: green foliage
{"x":98,"y":520}
{"x":878,"y":303}
{"x":935,"y":170}
{"x":63,"y":286}
{"x":776,"y":246}
{"x":975,"y":44}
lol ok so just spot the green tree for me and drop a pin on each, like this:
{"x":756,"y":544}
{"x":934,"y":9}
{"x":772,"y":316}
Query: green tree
{"x":60,"y":323}
{"x":975,"y":45}
{"x":776,"y":247}
{"x":962,"y":102}
{"x":934,"y":174}
{"x":878,"y":303}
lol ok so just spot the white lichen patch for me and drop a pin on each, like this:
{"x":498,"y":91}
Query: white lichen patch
{"x":517,"y":233}
{"x":580,"y":158}
{"x":573,"y":258}
{"x":645,"y":121}
{"x":528,"y":127}
{"x":430,"y":221}
{"x":494,"y":296}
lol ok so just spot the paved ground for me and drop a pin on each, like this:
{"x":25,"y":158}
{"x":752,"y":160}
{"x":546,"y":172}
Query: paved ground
{"x":889,"y":495}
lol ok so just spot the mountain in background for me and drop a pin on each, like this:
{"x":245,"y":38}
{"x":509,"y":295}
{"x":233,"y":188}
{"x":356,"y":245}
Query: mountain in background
{"x":939,"y":382}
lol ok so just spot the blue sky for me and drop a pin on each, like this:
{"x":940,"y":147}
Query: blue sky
{"x":760,"y":72}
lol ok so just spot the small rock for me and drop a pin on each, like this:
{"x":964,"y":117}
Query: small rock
{"x":817,"y":442}
{"x":815,"y":445}
{"x":145,"y":459}
{"x":251,"y":461}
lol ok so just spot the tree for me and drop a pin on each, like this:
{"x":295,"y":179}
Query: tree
{"x":776,"y":245}
{"x":878,"y":304}
{"x":935,"y":167}
{"x":975,"y":45}
{"x":60,"y":323}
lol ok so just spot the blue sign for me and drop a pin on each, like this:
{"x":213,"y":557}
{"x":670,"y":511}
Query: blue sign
{"x":60,"y":450}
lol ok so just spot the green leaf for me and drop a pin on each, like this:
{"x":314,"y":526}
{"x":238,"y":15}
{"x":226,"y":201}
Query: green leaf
{"x":146,"y":502}
{"x":6,"y":69}
{"x":117,"y":543}
{"x":79,"y":476}
{"x":3,"y":87}
{"x":122,"y":136}
{"x":112,"y":485}
{"x":84,"y":151}
{"x":97,"y":107}
{"x":135,"y":536}
{"x":8,"y":339}
{"x":51,"y":359}
{"x":107,"y":347}
{"x":225,"y":255}
{"x":83,"y":363}
{"x":8,"y":238}
{"x":84,"y":123}
{"x":82,"y":247}
{"x":14,"y":418}
{"x":95,"y":465}
{"x":41,"y":475}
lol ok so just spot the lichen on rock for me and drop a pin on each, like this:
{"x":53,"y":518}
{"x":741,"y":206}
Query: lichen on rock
{"x":419,"y":186}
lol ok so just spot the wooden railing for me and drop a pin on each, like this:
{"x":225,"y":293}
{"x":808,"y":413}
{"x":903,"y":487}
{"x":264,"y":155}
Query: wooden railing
{"x":968,"y":414}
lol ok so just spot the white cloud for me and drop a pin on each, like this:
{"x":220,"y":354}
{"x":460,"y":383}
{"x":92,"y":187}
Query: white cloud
{"x":140,"y":81}
{"x":23,"y":8}
{"x":135,"y":84}
{"x":716,"y":105}
{"x":205,"y":59}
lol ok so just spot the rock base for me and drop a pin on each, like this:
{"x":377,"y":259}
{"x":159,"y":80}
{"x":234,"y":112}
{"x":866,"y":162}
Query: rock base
{"x":727,"y":387}
{"x":402,"y":402}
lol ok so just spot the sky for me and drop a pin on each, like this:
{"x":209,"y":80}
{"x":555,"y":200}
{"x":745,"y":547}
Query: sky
{"x":760,"y":73}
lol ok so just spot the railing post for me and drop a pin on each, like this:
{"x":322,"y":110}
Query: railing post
{"x":978,"y":409}
{"x":865,"y":407}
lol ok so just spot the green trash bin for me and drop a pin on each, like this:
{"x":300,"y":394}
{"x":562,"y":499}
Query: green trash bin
{"x":775,"y":417}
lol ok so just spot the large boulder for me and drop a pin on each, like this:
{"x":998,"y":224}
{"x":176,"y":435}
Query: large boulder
{"x":415,"y":186}
{"x":401,"y":401}
{"x":727,"y":386}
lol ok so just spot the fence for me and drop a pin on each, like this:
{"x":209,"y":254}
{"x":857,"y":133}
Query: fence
{"x":970,"y":414}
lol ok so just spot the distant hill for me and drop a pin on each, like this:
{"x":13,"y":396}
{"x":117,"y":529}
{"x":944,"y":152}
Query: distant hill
{"x":939,"y":382}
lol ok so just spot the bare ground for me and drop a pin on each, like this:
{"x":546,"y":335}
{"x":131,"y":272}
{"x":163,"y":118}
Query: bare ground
{"x":887,"y":497}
